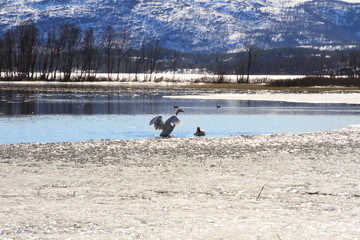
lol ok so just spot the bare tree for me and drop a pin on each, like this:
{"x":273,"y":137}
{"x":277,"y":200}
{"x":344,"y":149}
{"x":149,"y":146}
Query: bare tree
{"x":252,"y":53}
{"x":9,"y":45}
{"x":89,"y":52}
{"x":144,"y":57}
{"x":2,"y":56}
{"x":49,"y":57}
{"x":138,"y":61}
{"x":58,"y":49}
{"x":109,"y":41}
{"x":120,"y":46}
{"x":354,"y":62}
{"x":44,"y":61}
{"x":220,"y":69}
{"x":240,"y":67}
{"x":357,"y":69}
{"x":174,"y":63}
{"x":128,"y":60}
{"x":27,"y":48}
{"x":154,"y":57}
{"x":70,"y":38}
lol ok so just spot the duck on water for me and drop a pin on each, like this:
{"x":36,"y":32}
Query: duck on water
{"x":199,"y":132}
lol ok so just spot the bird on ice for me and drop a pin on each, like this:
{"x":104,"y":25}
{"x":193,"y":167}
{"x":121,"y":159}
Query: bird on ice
{"x":199,"y":132}
{"x":168,"y":126}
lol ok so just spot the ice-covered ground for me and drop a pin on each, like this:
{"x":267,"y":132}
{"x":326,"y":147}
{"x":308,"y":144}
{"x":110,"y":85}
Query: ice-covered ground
{"x":304,"y":186}
{"x":347,"y":98}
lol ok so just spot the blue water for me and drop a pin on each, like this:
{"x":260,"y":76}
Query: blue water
{"x":60,"y":116}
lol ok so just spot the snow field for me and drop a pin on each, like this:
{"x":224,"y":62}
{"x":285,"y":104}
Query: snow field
{"x":302,"y":186}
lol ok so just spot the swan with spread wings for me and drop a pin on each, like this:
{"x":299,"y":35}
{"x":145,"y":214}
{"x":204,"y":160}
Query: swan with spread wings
{"x":168,"y":126}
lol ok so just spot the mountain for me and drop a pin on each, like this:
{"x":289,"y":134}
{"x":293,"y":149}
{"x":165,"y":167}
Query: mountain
{"x":200,"y":25}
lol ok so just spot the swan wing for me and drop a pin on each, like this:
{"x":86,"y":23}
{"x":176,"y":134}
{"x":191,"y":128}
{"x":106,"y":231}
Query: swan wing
{"x":158,"y":122}
{"x":155,"y":119}
{"x":174,"y":120}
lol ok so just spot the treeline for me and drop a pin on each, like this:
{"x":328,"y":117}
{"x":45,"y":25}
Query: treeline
{"x":67,"y":49}
{"x":279,"y":61}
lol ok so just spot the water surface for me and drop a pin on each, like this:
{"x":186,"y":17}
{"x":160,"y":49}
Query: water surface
{"x":42,"y":116}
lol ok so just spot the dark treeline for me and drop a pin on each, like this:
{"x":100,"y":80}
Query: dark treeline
{"x":67,"y":49}
{"x":286,"y":61}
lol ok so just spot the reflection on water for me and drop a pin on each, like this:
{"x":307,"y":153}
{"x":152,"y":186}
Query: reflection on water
{"x":77,"y":116}
{"x":22,"y":103}
{"x":77,"y":103}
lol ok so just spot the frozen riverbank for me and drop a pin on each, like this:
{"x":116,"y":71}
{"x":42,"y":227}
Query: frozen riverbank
{"x":247,"y":187}
{"x":346,"y":98}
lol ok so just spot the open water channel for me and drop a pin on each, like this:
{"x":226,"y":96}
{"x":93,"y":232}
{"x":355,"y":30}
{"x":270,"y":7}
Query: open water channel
{"x":43,"y":116}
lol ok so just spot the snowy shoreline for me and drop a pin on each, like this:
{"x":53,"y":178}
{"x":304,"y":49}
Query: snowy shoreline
{"x":285,"y":186}
{"x":347,"y":98}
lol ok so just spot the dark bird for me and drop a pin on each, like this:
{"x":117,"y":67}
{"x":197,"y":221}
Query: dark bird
{"x":176,"y":106}
{"x":168,"y":126}
{"x":218,"y":106}
{"x":199,"y":132}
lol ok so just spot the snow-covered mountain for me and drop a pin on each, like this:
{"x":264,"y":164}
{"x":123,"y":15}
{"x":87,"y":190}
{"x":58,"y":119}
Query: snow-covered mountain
{"x":200,"y":25}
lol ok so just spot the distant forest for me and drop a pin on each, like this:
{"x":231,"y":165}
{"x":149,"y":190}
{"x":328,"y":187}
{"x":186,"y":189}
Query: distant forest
{"x":67,"y":49}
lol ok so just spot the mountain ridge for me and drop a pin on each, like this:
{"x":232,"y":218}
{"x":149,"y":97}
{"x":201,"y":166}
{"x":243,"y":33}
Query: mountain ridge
{"x":199,"y":25}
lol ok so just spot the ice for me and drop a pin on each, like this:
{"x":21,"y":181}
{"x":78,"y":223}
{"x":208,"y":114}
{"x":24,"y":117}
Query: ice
{"x":287,"y":186}
{"x":347,"y":98}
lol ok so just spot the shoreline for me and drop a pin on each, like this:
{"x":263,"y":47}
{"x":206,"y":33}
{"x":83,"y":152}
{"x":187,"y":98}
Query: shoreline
{"x":219,"y":140}
{"x":149,"y":86}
